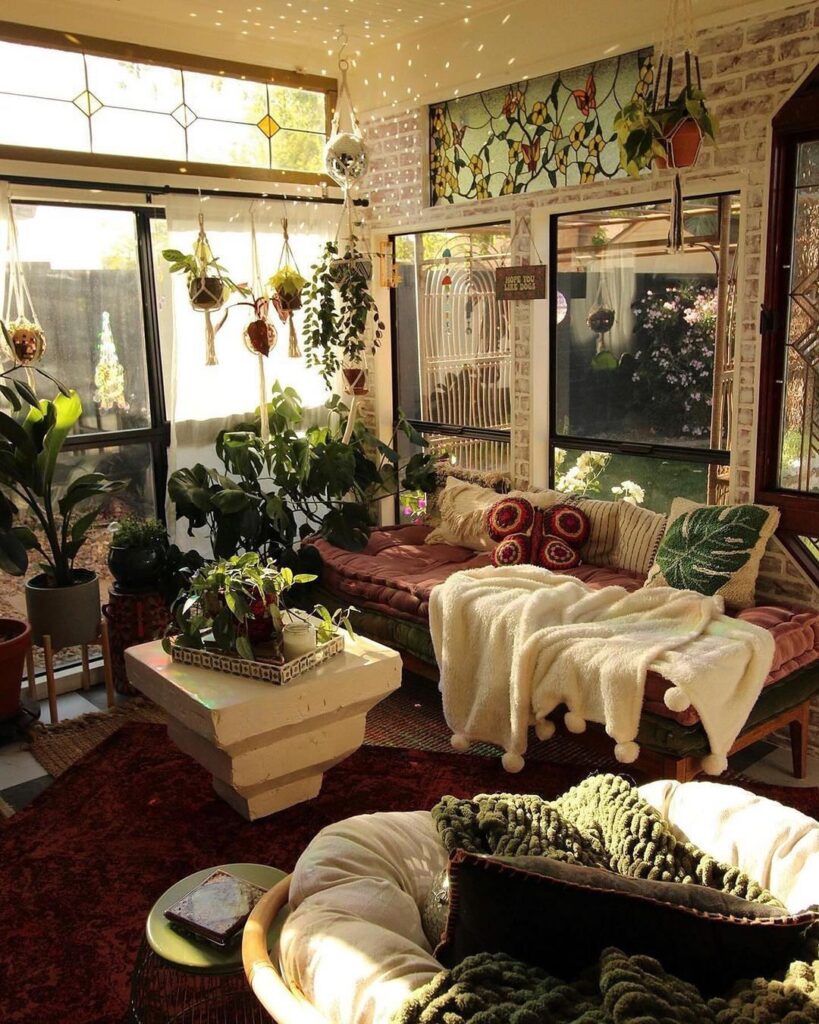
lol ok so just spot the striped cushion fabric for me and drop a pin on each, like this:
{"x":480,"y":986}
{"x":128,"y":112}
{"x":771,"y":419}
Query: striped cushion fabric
{"x":638,"y":536}
{"x":603,"y":515}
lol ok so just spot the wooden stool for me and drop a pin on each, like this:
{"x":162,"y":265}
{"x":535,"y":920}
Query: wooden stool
{"x":51,"y":682}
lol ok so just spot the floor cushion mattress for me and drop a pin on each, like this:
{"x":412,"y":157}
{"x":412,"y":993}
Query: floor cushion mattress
{"x":354,"y":945}
{"x":394,"y":575}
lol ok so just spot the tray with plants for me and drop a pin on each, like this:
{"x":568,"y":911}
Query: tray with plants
{"x":233,"y":618}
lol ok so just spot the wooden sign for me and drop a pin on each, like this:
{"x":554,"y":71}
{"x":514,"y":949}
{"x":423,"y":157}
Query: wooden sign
{"x":520,"y":282}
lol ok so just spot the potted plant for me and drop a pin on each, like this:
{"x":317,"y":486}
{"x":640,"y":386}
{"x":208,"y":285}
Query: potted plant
{"x":137,"y":552}
{"x":15,"y":639}
{"x":235,"y":606}
{"x":342,"y":325}
{"x":27,"y":340}
{"x":209,"y":285}
{"x":62,"y":601}
{"x":286,"y":286}
{"x":671,"y":135}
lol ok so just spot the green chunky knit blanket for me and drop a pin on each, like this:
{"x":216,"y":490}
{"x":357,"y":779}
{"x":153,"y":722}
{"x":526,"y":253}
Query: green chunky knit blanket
{"x":603,"y":822}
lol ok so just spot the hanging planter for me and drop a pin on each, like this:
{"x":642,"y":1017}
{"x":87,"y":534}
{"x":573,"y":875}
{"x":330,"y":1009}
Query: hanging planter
{"x":209,"y":285}
{"x":287,"y":286}
{"x":260,"y":335}
{"x":601,"y":320}
{"x":356,"y":379}
{"x":28,"y":341}
{"x":682,"y":143}
{"x":23,"y":333}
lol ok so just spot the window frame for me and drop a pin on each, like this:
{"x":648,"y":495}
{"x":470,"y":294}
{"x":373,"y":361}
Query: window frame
{"x":796,"y":122}
{"x":673,"y":453}
{"x":29,"y":35}
{"x":158,"y":434}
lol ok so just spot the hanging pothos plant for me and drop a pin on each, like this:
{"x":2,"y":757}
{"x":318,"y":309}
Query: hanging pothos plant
{"x":342,"y":325}
{"x":671,"y":135}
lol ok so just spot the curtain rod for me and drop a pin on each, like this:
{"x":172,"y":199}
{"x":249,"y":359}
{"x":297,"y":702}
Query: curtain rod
{"x":165,"y":190}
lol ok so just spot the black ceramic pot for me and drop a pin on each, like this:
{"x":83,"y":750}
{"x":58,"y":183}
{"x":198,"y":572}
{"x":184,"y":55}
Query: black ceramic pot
{"x":135,"y":568}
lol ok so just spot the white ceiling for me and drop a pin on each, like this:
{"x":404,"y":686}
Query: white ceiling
{"x":404,"y":51}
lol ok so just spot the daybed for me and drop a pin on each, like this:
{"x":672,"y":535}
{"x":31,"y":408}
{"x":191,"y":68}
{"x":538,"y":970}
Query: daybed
{"x":353,"y":948}
{"x":390,"y":581}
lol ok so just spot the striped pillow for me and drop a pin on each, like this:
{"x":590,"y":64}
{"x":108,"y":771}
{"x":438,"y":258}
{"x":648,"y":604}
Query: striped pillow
{"x":638,"y":536}
{"x":603,"y":516}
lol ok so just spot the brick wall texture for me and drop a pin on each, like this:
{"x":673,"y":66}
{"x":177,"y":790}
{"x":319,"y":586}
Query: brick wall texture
{"x":749,"y":68}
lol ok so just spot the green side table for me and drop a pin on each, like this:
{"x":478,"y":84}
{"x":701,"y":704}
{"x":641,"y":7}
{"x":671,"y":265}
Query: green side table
{"x":179,"y":980}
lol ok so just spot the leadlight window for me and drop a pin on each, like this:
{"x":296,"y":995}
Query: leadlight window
{"x":170,"y":116}
{"x":642,"y":352}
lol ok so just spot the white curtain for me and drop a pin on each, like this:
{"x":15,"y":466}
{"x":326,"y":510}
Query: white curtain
{"x":202,"y":400}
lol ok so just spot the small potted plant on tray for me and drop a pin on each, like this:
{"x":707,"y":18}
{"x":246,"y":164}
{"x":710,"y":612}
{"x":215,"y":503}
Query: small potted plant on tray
{"x":342,"y":325}
{"x":237,"y":606}
{"x":137,"y":551}
{"x":672,"y":135}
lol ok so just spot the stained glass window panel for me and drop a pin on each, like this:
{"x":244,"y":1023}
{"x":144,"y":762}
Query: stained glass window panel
{"x":297,"y":108}
{"x":302,"y":151}
{"x":135,"y":86}
{"x":36,"y":71}
{"x":225,"y":99}
{"x":534,"y":135}
{"x":160,"y":136}
{"x":50,"y":124}
{"x":218,"y":142}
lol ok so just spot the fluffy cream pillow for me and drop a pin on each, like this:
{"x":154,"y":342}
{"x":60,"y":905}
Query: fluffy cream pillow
{"x":714,"y":549}
{"x":463,"y":511}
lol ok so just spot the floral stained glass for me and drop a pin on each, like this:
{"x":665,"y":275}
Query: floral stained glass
{"x":534,"y":135}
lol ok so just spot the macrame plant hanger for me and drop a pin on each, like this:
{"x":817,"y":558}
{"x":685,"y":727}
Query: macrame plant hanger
{"x":285,"y":305}
{"x":260,"y":309}
{"x":678,"y":38}
{"x":28,"y":339}
{"x":204,"y":297}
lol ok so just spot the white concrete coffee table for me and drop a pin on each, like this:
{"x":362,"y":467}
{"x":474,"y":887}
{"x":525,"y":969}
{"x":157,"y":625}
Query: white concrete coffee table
{"x":268,"y":746}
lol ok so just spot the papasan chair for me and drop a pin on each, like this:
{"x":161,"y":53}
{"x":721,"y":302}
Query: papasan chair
{"x":352,"y":947}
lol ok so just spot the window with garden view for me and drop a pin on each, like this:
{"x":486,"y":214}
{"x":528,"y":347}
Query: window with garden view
{"x":642,"y":352}
{"x":788,"y":454}
{"x":452,"y":346}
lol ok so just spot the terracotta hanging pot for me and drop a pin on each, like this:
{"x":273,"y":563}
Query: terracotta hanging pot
{"x":682,"y":145}
{"x":355,"y":379}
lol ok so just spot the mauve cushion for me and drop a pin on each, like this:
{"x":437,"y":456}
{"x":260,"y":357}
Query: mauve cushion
{"x":396,"y":572}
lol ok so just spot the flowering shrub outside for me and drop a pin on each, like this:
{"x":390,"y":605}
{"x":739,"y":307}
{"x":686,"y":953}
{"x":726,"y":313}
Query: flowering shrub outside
{"x":413,"y":506}
{"x":583,"y":477}
{"x":674,"y":362}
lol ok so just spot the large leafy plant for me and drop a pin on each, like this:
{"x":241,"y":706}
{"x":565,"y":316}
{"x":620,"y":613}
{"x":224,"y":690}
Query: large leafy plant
{"x":641,"y":132}
{"x":31,"y":442}
{"x":271,"y":493}
{"x":341,"y":319}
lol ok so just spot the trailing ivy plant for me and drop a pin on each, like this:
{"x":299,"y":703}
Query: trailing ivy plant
{"x":341,"y":319}
{"x":270,"y":494}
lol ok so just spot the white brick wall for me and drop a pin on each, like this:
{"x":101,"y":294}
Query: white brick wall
{"x":749,"y":68}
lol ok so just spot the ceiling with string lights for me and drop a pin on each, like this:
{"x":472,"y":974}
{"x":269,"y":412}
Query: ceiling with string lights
{"x":402,"y":52}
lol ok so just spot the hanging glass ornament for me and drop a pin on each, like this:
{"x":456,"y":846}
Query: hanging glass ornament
{"x":109,"y":373}
{"x":345,"y":155}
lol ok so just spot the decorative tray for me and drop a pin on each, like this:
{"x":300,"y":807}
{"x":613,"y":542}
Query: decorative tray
{"x":265,"y":671}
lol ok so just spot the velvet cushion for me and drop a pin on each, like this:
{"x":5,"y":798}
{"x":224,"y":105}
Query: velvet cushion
{"x":714,"y":549}
{"x":561,"y":916}
{"x":550,"y":538}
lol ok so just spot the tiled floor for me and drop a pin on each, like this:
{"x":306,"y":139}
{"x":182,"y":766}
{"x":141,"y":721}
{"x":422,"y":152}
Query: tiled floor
{"x":22,"y":778}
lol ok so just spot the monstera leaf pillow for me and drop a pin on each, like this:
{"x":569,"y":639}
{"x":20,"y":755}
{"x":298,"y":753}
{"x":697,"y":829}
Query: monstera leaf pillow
{"x":714,"y":549}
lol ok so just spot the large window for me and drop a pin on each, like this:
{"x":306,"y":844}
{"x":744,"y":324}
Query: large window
{"x":642,"y":353}
{"x":788,"y":463}
{"x":83,"y":101}
{"x":90,"y":274}
{"x":452,"y":354}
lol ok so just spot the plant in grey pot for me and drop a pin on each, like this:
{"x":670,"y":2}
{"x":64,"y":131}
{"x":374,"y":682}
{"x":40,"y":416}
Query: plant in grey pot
{"x":137,"y":553}
{"x":62,"y":601}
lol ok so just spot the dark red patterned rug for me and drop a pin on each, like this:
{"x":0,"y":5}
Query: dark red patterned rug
{"x":80,"y":867}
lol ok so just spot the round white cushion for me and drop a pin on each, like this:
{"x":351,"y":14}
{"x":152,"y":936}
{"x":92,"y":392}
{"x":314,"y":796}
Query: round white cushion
{"x":354,"y":944}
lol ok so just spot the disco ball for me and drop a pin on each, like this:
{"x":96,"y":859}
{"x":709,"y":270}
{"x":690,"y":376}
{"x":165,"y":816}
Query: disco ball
{"x":345,"y":157}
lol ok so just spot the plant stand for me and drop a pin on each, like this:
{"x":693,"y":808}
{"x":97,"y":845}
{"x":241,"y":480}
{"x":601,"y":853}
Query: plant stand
{"x":51,"y":681}
{"x":132,"y":618}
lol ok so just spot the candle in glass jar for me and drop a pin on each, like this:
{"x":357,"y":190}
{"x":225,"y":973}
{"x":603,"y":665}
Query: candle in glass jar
{"x":298,"y":638}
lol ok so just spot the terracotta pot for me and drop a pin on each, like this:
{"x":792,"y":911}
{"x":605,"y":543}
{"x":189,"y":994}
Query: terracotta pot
{"x":69,"y":615}
{"x":682,"y":145}
{"x":206,"y":293}
{"x":355,"y":378}
{"x":15,"y":640}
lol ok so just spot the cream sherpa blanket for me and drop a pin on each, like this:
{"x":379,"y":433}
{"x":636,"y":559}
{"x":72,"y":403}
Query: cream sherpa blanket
{"x":514,"y":642}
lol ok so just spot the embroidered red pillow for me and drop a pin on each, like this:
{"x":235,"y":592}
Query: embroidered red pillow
{"x":526,"y":535}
